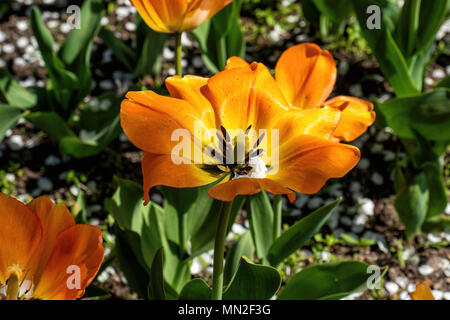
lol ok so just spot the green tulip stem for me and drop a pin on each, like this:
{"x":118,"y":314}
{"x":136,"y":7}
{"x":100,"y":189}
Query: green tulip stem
{"x":277,"y":210}
{"x":178,"y":53}
{"x":219,"y":249}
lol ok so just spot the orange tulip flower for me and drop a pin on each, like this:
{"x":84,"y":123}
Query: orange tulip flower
{"x":240,"y":98}
{"x":306,"y":76}
{"x":423,"y":291}
{"x":43,"y":253}
{"x":172,"y":16}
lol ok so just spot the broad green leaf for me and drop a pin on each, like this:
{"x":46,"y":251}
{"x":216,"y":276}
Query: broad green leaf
{"x":337,"y":10}
{"x":326,"y":281}
{"x":299,"y":233}
{"x":444,"y":83}
{"x":63,"y":82}
{"x":253,"y":282}
{"x":130,"y":264}
{"x":96,"y":293}
{"x":42,"y":34}
{"x":149,"y":60}
{"x":122,"y":52}
{"x":428,"y":113}
{"x":203,"y":239}
{"x":153,"y":235}
{"x":437,"y":189}
{"x":127,"y":206}
{"x":242,"y":247}
{"x":408,"y":25}
{"x":177,"y":205}
{"x":78,"y":148}
{"x":418,"y":65}
{"x":8,"y":118}
{"x":14,"y":94}
{"x":221,"y":37}
{"x":391,"y":60}
{"x":51,"y":123}
{"x":261,"y":223}
{"x":432,"y":15}
{"x":196,"y":289}
{"x":156,"y":286}
{"x":80,"y":39}
{"x":411,"y":203}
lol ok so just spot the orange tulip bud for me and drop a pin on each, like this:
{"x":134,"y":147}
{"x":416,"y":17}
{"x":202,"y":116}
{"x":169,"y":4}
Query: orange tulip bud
{"x":172,"y":16}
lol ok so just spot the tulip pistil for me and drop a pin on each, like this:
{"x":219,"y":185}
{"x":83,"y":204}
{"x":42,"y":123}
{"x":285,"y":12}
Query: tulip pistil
{"x":12,"y":287}
{"x":235,"y":157}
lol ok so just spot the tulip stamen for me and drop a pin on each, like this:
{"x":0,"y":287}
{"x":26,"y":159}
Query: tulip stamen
{"x":236,"y":158}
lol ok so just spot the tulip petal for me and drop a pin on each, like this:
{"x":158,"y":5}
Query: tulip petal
{"x":201,"y":10}
{"x":188,"y":89}
{"x":150,"y":16}
{"x":227,"y":191}
{"x":158,"y":169}
{"x":306,"y":75}
{"x":357,"y":116}
{"x":307,"y":162}
{"x":54,"y":219}
{"x":245,"y":96}
{"x":321,"y":122}
{"x":149,"y":120}
{"x":78,"y":252}
{"x":423,"y":291}
{"x":236,"y":62}
{"x":20,"y":235}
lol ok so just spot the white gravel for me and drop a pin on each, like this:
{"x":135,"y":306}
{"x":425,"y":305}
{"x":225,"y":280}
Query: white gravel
{"x":425,"y":270}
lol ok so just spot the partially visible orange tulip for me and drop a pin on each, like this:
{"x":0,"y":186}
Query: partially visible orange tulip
{"x":173,"y":16}
{"x":240,"y":98}
{"x":306,"y":76}
{"x":43,"y":253}
{"x":423,"y":291}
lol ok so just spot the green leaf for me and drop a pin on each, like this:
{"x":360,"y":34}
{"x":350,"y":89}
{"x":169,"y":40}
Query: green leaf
{"x":437,"y":189}
{"x":153,"y":235}
{"x":122,"y":52}
{"x":196,"y":289}
{"x":203,"y":239}
{"x":391,"y":60}
{"x":411,"y":203}
{"x":253,"y":282}
{"x":407,"y":27}
{"x":42,"y":34}
{"x":444,"y":83}
{"x":261,"y":223}
{"x":14,"y":94}
{"x":221,"y":37}
{"x":299,"y":233}
{"x":8,"y":118}
{"x":428,"y":113}
{"x":242,"y":247}
{"x":126,"y":206}
{"x":149,"y":60}
{"x":337,"y":10}
{"x":131,"y":265}
{"x":51,"y":123}
{"x":78,"y":148}
{"x":80,"y":39}
{"x":432,"y":15}
{"x":326,"y":281}
{"x":96,"y":293}
{"x":156,"y":286}
{"x":63,"y":83}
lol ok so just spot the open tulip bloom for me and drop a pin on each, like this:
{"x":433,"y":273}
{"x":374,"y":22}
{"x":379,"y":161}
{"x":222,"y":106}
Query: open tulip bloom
{"x":246,"y":130}
{"x":174,"y":16}
{"x":43,"y":253}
